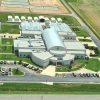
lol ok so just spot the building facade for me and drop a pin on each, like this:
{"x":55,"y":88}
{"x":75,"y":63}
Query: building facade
{"x":52,"y":44}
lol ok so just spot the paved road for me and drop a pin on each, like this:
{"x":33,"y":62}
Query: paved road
{"x":94,"y":38}
{"x":31,"y":76}
{"x":49,"y":97}
{"x":43,"y":78}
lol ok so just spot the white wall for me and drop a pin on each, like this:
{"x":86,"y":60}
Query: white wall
{"x":39,"y":62}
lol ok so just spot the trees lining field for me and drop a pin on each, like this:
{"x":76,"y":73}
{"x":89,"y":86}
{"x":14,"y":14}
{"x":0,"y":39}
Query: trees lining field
{"x":90,"y":10}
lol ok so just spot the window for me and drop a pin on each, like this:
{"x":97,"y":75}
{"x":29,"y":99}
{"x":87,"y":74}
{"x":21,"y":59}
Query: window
{"x":59,"y":58}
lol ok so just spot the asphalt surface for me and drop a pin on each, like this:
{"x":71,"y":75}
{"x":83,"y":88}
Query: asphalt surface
{"x":85,"y":27}
{"x":32,"y":76}
{"x":44,"y":78}
{"x":49,"y":97}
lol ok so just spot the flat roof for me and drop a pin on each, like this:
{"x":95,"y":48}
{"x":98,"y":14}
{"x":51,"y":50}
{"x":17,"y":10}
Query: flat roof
{"x":62,"y":27}
{"x":42,"y":55}
{"x":25,"y":50}
{"x":66,"y":57}
{"x":22,"y":43}
{"x":31,"y":32}
{"x":74,"y":45}
{"x":76,"y":52}
{"x":30,"y":26}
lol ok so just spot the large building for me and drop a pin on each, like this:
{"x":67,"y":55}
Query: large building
{"x":52,"y":43}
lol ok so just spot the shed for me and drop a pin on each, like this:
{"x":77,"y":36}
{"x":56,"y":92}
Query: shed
{"x":23,"y":18}
{"x":36,"y":19}
{"x":30,"y":19}
{"x":59,"y":20}
{"x":10,"y":18}
{"x":17,"y":19}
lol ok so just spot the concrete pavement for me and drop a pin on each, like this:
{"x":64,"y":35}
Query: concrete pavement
{"x":43,"y":78}
{"x":48,"y":97}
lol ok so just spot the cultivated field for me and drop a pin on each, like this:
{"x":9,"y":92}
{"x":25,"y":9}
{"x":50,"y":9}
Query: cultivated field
{"x":90,"y":10}
{"x":34,"y":6}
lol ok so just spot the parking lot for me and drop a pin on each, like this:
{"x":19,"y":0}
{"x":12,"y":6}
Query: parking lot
{"x":7,"y":66}
{"x":32,"y":74}
{"x":75,"y":75}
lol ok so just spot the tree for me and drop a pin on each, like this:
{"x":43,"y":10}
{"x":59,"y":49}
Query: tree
{"x":16,"y":71}
{"x":20,"y":62}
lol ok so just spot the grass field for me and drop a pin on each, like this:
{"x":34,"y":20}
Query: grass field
{"x":6,"y":49}
{"x":85,"y":40}
{"x":6,"y":41}
{"x":80,"y":31}
{"x":92,"y":64}
{"x":17,"y":72}
{"x":90,"y":10}
{"x":37,"y":88}
{"x":14,"y":57}
{"x":6,"y":45}
{"x":12,"y":29}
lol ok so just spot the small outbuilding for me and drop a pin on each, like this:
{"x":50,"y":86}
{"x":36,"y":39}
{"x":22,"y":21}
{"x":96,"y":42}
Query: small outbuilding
{"x":53,"y":19}
{"x":17,"y":19}
{"x":36,"y":19}
{"x":29,"y":19}
{"x":59,"y":20}
{"x":10,"y":18}
{"x":23,"y":18}
{"x":41,"y":19}
{"x":46,"y":19}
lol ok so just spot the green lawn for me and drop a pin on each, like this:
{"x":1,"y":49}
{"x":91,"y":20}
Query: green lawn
{"x":92,"y":64}
{"x":80,"y":31}
{"x":6,"y":49}
{"x":6,"y":41}
{"x":16,"y":71}
{"x":85,"y":40}
{"x":62,"y":69}
{"x":37,"y":88}
{"x":6,"y":45}
{"x":12,"y":29}
{"x":14,"y":57}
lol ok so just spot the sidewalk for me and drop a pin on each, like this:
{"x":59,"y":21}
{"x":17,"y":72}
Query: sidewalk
{"x":50,"y":71}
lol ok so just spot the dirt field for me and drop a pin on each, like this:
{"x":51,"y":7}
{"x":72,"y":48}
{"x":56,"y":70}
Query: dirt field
{"x":90,"y":9}
{"x":55,"y":6}
{"x":37,"y":6}
{"x":10,"y":9}
{"x":44,"y":2}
